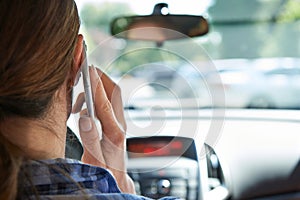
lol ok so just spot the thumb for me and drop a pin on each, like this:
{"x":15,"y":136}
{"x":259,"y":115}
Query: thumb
{"x":85,"y":124}
{"x":91,"y":142}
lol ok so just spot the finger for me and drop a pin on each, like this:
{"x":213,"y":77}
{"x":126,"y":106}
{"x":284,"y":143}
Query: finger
{"x":114,"y":95}
{"x":91,"y":143}
{"x":109,"y":85}
{"x":79,"y":103}
{"x":104,"y":110}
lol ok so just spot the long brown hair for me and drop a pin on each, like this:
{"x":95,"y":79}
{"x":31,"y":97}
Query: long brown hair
{"x":37,"y":43}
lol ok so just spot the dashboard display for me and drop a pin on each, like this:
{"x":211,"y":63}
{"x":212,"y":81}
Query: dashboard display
{"x":157,"y":146}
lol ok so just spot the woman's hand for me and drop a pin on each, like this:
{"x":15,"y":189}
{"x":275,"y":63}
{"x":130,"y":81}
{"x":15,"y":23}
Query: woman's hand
{"x":110,"y":152}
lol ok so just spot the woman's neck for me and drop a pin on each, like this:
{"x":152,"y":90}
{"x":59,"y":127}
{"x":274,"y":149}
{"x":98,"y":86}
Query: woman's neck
{"x":36,"y":139}
{"x":40,"y":138}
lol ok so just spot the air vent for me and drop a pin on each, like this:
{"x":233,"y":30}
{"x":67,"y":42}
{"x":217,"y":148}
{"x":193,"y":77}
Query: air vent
{"x":215,"y":176}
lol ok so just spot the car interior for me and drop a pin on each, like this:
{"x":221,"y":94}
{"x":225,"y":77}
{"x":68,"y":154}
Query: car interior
{"x":211,"y":94}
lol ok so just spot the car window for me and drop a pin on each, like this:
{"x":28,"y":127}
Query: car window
{"x":249,"y":42}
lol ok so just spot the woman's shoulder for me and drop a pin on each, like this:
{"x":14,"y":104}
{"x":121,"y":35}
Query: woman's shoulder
{"x":65,"y":171}
{"x":65,"y":176}
{"x":114,"y":196}
{"x":71,"y":179}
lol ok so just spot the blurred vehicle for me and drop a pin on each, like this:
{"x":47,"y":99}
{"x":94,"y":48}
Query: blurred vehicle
{"x":261,"y":83}
{"x":247,"y":83}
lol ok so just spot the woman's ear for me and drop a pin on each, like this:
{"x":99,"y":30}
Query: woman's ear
{"x":78,"y":55}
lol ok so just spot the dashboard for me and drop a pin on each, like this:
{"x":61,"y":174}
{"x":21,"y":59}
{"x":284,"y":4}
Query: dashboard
{"x":256,"y":155}
{"x":244,"y":154}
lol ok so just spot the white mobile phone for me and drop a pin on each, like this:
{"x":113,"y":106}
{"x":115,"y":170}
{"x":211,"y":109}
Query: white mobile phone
{"x":88,"y":91}
{"x":87,"y":85}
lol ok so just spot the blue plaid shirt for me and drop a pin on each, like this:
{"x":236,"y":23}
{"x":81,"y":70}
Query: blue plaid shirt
{"x":69,"y":179}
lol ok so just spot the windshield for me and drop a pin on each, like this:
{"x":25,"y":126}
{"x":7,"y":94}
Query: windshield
{"x":249,"y":58}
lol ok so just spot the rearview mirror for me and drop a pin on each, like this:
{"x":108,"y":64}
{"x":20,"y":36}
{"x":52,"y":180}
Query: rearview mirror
{"x":159,"y":28}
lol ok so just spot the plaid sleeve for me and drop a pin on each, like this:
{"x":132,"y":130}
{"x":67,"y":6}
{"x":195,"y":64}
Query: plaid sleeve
{"x":65,"y":176}
{"x":69,"y":179}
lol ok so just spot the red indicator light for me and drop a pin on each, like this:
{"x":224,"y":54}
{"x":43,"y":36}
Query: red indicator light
{"x":176,"y":145}
{"x":154,"y":148}
{"x":149,"y":149}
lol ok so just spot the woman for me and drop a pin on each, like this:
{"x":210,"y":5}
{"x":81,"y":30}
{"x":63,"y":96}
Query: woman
{"x":41,"y":55}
